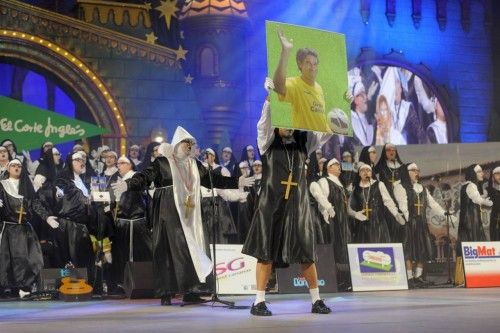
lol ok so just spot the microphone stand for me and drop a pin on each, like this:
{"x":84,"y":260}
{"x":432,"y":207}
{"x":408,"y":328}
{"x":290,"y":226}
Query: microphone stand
{"x":215,"y":228}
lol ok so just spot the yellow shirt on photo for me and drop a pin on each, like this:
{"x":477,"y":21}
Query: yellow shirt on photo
{"x":308,"y":104}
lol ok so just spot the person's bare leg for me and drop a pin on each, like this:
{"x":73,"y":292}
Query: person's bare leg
{"x":263,"y":272}
{"x":311,"y":276}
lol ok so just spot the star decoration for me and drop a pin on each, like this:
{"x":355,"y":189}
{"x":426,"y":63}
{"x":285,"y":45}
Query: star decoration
{"x":147,"y":5}
{"x":151,"y":38}
{"x":188,"y":79}
{"x":167,"y":9}
{"x":180,"y":53}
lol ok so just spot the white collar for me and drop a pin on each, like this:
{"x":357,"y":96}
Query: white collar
{"x":366,"y":185}
{"x":77,"y":180}
{"x":11,"y":186}
{"x":110,"y":171}
{"x":257,"y":177}
{"x":128,"y":175}
{"x":393,"y":165}
{"x":418,"y":188}
{"x":335,"y":179}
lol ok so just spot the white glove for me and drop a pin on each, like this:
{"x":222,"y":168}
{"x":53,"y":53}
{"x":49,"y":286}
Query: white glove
{"x":59,"y":192}
{"x":1,"y":203}
{"x":487,"y":202}
{"x":268,"y":84}
{"x":93,"y":153}
{"x":400,"y":219}
{"x":331,"y":212}
{"x":108,"y":257}
{"x":246,"y":181}
{"x":119,"y":187}
{"x":27,"y":155}
{"x":360,"y":216}
{"x":243,"y":196}
{"x":52,"y":221}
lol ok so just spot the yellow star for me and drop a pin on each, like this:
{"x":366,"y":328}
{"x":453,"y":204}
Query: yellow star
{"x":180,"y":53}
{"x":188,"y":79}
{"x":147,"y":5}
{"x":167,"y":9}
{"x":151,"y":38}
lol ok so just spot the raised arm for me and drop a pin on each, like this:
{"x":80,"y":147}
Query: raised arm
{"x":265,"y":131}
{"x":142,"y":180}
{"x":279,"y":77}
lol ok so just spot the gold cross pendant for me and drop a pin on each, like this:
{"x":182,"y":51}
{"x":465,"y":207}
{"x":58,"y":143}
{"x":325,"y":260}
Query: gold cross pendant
{"x":21,"y":212}
{"x":189,"y":204}
{"x":289,"y":183}
{"x":418,"y":205}
{"x":367,"y":210}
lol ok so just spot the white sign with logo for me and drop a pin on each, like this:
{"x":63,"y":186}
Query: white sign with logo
{"x":377,"y":266}
{"x":481,"y":264}
{"x":235,"y":271}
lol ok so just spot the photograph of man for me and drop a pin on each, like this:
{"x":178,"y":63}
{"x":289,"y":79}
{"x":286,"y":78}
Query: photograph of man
{"x":303,"y":92}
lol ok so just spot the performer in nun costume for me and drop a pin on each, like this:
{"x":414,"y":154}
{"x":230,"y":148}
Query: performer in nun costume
{"x":180,"y":247}
{"x":494,"y":193}
{"x":21,"y":257}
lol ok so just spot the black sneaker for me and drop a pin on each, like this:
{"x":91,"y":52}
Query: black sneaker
{"x":320,"y":307}
{"x":192,"y":298}
{"x":260,"y":310}
{"x":166,"y":300}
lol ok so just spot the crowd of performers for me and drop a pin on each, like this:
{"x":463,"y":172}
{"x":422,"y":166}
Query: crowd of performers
{"x":49,"y":220}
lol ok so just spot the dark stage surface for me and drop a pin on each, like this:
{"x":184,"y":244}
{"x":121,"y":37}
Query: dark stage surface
{"x":437,"y":310}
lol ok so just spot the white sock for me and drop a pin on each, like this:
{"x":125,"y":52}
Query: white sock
{"x":314,"y":294}
{"x":409,"y":273}
{"x":418,"y":272}
{"x":260,"y":296}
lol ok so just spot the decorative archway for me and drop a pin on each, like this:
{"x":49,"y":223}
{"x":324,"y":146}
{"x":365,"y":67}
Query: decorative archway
{"x":75,"y":74}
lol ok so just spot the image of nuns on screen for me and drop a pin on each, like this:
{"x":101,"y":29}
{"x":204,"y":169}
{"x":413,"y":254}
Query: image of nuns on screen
{"x":393,"y":104}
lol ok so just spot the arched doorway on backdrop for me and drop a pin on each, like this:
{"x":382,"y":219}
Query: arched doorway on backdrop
{"x":43,"y":74}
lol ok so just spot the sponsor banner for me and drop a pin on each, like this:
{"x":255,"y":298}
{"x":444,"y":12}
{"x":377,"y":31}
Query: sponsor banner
{"x":235,"y":271}
{"x":481,"y":264}
{"x":291,"y":280}
{"x":377,"y":267}
{"x":29,"y":126}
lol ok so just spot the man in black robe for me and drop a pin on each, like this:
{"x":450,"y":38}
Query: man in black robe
{"x":494,"y":193}
{"x":388,"y":169}
{"x":414,"y":200}
{"x":332,"y":198}
{"x":282,"y":231}
{"x":181,"y":259}
{"x":132,"y":239}
{"x":370,"y":202}
{"x":473,"y":206}
{"x":21,"y":257}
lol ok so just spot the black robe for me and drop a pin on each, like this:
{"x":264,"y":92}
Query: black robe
{"x":130,"y":216}
{"x":21,"y":258}
{"x":282,"y":231}
{"x":495,"y":214}
{"x":418,"y":243}
{"x":470,"y":227}
{"x":339,"y":225}
{"x":389,"y":176}
{"x":375,"y":229}
{"x":76,"y":220}
{"x":226,"y":230}
{"x":173,"y":268}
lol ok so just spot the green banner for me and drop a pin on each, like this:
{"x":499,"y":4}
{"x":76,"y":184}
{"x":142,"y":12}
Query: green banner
{"x":29,"y":126}
{"x":314,"y":96}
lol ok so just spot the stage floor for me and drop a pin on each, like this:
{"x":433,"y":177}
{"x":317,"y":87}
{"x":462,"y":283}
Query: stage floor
{"x":431,"y":310}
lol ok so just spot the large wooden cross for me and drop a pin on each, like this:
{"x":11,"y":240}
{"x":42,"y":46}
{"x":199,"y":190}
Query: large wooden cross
{"x":21,"y":212}
{"x":189,"y":204}
{"x":418,"y":205}
{"x":289,"y":183}
{"x":367,"y":210}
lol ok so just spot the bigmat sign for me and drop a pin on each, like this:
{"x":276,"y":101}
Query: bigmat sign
{"x":481,"y":264}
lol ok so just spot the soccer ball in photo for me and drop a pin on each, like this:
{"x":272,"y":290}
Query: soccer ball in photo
{"x":338,"y":121}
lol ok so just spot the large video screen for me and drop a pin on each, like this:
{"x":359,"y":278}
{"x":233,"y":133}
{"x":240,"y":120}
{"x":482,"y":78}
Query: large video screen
{"x":393,"y":104}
